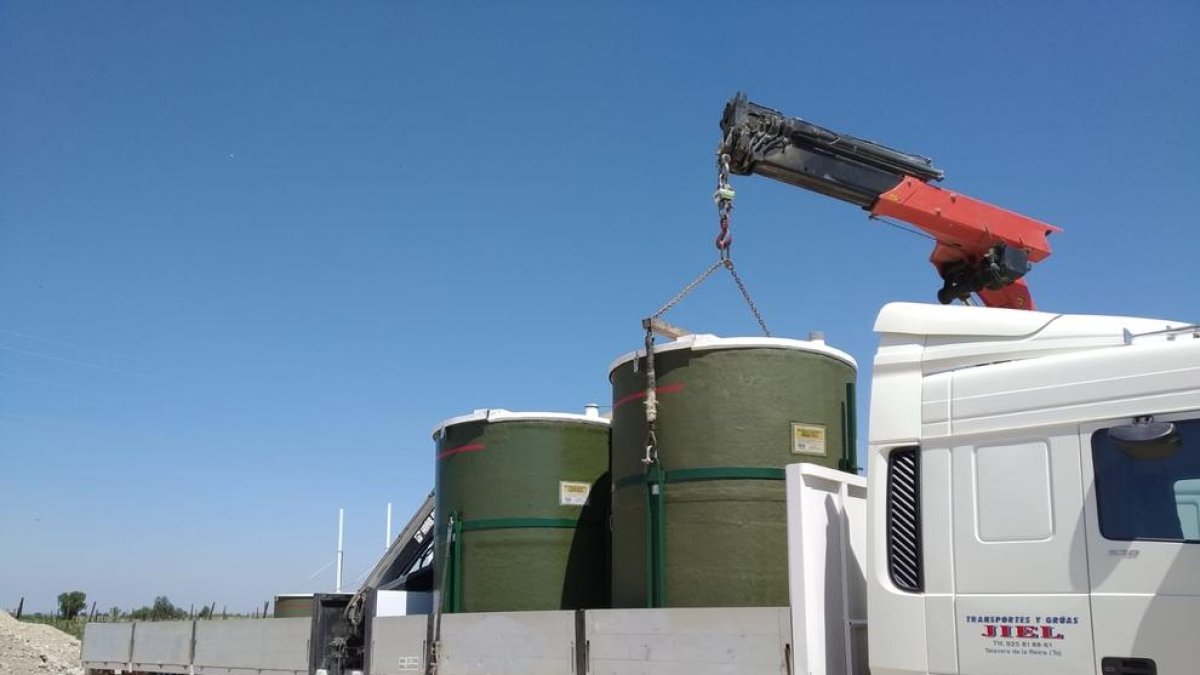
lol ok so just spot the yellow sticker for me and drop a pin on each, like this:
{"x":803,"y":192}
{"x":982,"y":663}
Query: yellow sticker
{"x":571,"y":493}
{"x":808,"y":439}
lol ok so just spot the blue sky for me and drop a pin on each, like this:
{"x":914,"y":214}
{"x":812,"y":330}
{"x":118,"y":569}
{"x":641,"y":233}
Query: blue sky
{"x":251,"y":253}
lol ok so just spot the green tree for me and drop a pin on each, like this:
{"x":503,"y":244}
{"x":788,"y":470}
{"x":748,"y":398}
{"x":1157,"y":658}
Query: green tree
{"x":71,"y":603}
{"x":165,"y":610}
{"x":205,"y":613}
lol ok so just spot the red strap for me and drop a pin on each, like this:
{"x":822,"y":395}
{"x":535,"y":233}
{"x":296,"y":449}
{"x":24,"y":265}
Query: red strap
{"x":637,"y":396}
{"x":473,"y":447}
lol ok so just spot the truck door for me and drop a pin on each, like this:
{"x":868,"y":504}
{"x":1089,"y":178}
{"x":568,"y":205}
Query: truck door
{"x":1021,"y":593}
{"x":1143,"y":535}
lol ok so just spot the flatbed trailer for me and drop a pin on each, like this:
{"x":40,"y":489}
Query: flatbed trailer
{"x":829,"y":627}
{"x":1030,"y":509}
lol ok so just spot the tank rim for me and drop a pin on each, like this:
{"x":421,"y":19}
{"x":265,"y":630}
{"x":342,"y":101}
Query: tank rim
{"x":496,"y":415}
{"x":699,"y":343}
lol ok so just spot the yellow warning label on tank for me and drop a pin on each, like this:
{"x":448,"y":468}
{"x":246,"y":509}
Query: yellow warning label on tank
{"x":808,"y":439}
{"x":571,"y":493}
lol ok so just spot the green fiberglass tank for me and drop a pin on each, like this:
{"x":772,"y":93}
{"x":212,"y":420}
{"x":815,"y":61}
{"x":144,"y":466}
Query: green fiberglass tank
{"x":703,"y":523}
{"x":291,"y":605}
{"x":522,"y":500}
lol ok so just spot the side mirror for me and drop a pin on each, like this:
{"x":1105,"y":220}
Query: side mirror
{"x":1146,"y":439}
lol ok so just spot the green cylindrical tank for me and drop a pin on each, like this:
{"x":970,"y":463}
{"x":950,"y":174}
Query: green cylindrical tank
{"x":704,"y":524}
{"x":522,"y":503}
{"x":293,"y":605}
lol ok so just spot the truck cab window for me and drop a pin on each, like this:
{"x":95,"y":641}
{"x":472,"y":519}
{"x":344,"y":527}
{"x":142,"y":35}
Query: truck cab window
{"x":1156,"y":498}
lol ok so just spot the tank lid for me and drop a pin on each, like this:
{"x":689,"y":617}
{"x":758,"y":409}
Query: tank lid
{"x":492,"y":415}
{"x":700,"y":343}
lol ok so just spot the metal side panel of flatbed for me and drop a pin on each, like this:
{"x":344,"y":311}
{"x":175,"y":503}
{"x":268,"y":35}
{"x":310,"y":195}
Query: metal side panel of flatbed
{"x":252,"y":646}
{"x":708,"y":641}
{"x":507,"y":643}
{"x":701,"y":641}
{"x":162,"y":647}
{"x":397,"y":645}
{"x":107,"y":646}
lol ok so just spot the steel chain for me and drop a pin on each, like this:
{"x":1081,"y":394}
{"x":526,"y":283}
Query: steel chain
{"x":746,"y":295}
{"x":687,"y":290}
{"x":724,"y":198}
{"x":651,"y":442}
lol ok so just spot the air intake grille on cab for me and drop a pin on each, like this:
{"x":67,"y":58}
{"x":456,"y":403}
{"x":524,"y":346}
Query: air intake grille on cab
{"x":904,"y":520}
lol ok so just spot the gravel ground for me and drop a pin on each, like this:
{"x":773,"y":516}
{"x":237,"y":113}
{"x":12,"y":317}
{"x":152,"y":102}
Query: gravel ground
{"x":35,"y":649}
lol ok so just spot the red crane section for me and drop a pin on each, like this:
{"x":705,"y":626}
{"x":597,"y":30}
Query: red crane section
{"x":967,"y":230}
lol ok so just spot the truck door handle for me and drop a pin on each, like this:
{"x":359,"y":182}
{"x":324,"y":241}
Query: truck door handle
{"x":1117,"y":665}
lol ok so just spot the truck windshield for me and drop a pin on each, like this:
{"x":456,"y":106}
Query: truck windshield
{"x":1156,"y":499}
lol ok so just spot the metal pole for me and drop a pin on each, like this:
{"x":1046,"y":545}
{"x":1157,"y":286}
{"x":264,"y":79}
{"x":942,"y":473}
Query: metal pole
{"x":341,"y":513}
{"x":387,"y":541}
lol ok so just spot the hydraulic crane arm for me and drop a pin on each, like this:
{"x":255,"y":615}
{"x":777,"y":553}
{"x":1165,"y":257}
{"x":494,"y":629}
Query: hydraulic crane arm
{"x":980,"y":248}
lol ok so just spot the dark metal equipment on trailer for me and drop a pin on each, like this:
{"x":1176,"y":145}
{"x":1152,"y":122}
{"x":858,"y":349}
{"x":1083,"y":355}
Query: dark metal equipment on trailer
{"x":980,"y":248}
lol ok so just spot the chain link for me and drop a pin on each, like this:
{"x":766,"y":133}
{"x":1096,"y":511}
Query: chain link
{"x":724,"y":197}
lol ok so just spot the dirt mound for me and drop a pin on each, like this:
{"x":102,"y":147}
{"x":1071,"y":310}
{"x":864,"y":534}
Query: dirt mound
{"x":35,"y":649}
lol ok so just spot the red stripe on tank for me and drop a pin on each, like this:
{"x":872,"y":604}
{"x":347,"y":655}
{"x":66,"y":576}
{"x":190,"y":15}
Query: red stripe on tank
{"x":665,"y":389}
{"x":474,"y":447}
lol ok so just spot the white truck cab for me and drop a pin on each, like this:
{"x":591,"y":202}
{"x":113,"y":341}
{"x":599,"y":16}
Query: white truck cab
{"x":1034,"y":489}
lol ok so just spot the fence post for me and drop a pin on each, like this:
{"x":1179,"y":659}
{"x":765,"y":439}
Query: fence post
{"x":20,"y":607}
